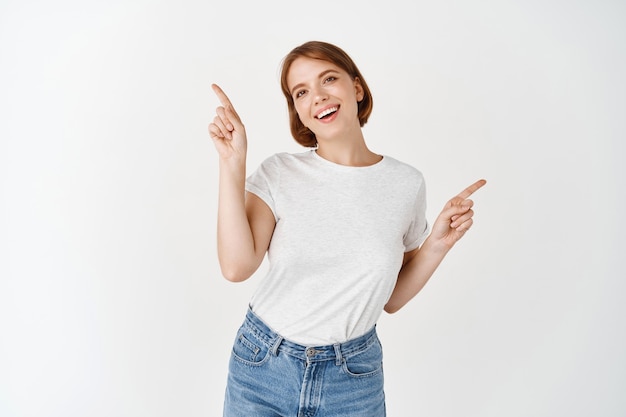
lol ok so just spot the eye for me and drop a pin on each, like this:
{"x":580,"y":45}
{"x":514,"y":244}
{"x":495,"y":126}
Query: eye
{"x":300,"y":93}
{"x":330,"y":79}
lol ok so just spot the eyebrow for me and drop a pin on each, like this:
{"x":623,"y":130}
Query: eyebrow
{"x":321,"y":74}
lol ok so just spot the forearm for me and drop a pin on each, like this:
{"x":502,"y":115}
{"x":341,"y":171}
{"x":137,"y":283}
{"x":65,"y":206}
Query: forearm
{"x":235,"y":242}
{"x":415,"y":273}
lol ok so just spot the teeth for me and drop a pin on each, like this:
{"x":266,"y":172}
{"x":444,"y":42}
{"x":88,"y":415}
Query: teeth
{"x":327,"y":112}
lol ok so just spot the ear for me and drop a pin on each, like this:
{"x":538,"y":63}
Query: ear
{"x":358,"y":89}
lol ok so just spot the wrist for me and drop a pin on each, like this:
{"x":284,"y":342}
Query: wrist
{"x":233,"y":163}
{"x":436,"y":246}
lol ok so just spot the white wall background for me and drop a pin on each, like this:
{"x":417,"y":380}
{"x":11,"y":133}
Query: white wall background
{"x":111,"y":300}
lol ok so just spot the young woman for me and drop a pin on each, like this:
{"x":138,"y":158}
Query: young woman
{"x":346,"y":237}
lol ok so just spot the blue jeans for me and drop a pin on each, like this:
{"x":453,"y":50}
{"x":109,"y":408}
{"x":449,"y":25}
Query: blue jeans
{"x":269,"y":376}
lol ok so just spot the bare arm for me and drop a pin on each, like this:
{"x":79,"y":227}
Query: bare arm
{"x":419,"y":265}
{"x":244,"y":222}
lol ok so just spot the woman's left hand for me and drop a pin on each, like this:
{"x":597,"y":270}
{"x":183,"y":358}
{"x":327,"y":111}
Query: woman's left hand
{"x":456,"y":217}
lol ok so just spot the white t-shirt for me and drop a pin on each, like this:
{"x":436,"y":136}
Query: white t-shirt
{"x":340,"y":236}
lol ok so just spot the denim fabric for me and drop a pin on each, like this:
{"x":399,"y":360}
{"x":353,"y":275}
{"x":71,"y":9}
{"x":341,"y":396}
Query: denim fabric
{"x":273,"y":377}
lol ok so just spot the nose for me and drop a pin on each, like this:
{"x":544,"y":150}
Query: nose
{"x":320,"y":96}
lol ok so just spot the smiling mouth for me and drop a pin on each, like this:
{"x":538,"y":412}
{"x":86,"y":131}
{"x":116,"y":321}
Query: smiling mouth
{"x":327,"y":112}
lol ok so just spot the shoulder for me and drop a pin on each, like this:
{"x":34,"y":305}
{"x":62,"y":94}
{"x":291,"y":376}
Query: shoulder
{"x":287,"y":157}
{"x":285,"y":161}
{"x":403,"y":170}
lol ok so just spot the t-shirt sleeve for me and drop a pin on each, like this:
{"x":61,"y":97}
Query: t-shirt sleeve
{"x":419,"y":229}
{"x":263,"y":183}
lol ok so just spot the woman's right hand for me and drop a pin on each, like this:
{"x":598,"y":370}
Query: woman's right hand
{"x":245,"y":224}
{"x":227,"y":131}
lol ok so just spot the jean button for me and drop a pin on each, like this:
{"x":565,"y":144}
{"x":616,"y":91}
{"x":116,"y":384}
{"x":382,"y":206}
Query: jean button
{"x":310,"y":352}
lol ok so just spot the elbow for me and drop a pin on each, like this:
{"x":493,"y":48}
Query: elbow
{"x":236,"y":269}
{"x":390,"y":309}
{"x":235,"y":274}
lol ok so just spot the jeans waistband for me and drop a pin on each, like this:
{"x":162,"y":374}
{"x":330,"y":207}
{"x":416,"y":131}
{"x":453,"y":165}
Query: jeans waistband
{"x":277,"y":343}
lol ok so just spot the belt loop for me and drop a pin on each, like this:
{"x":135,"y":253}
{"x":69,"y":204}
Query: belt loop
{"x":276,"y":344}
{"x":338,"y":357}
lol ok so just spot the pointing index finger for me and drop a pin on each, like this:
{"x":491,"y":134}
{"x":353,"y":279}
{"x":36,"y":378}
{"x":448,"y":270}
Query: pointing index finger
{"x":225,"y":101}
{"x":221,"y":96}
{"x":471,"y":189}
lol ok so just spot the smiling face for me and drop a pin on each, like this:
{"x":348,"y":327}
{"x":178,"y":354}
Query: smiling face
{"x":325,"y":97}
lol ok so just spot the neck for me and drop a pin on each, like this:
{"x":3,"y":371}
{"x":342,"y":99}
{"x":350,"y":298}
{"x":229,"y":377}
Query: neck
{"x":354,"y":153}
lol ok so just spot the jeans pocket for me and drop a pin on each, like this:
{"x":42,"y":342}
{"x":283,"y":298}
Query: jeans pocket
{"x":249,"y":349}
{"x":365,"y":363}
